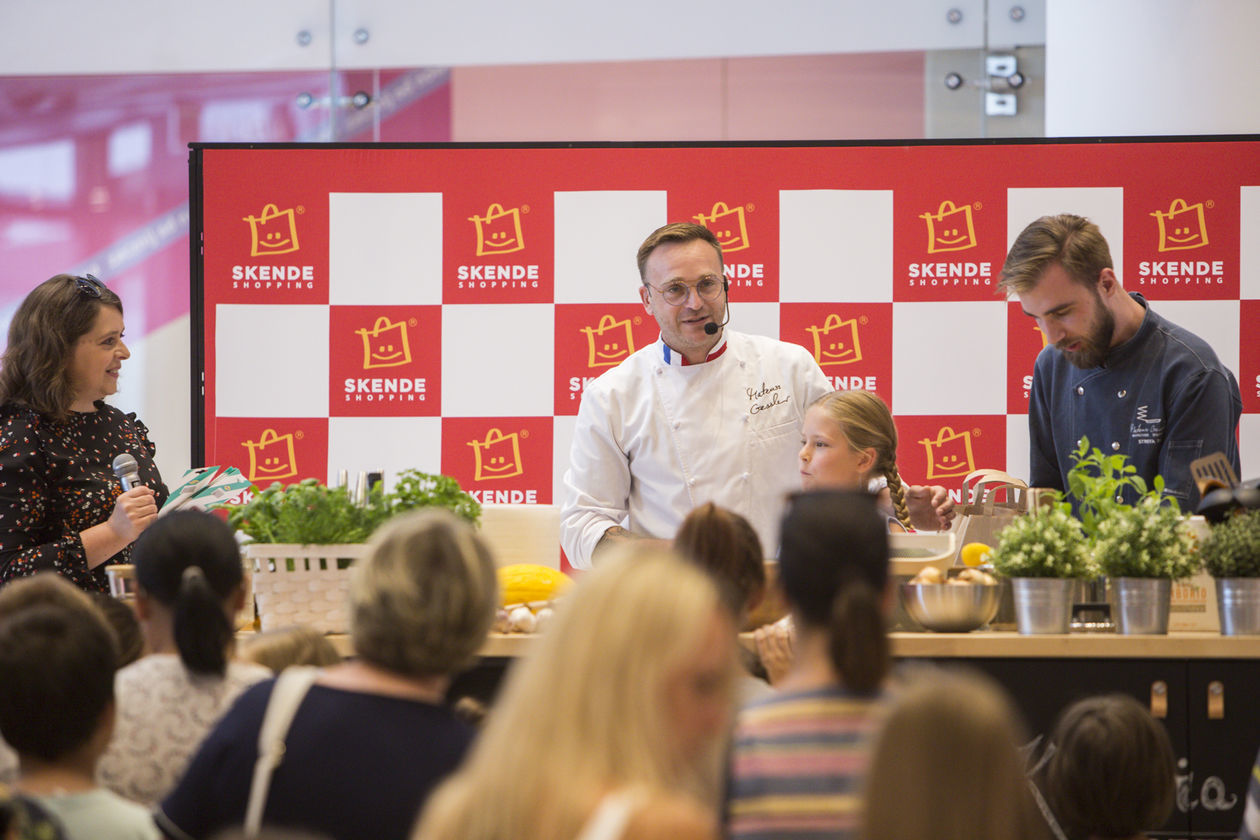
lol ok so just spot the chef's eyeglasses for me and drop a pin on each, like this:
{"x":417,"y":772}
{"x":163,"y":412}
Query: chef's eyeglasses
{"x":676,"y":294}
{"x":89,"y":286}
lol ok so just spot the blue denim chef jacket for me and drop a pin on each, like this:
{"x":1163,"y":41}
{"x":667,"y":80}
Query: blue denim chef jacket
{"x":1163,"y":398}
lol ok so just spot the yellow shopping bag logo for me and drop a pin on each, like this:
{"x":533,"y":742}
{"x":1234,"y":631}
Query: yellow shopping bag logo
{"x":609,"y":343}
{"x":949,"y":456}
{"x":950,"y":228}
{"x":274,"y":231}
{"x":1183,"y":227}
{"x":271,"y":457}
{"x":499,"y":231}
{"x":385,"y":345}
{"x":836,"y":342}
{"x":498,"y":456}
{"x":729,"y":226}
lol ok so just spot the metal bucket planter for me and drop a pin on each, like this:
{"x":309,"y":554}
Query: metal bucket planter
{"x":1142,"y":605}
{"x":1238,"y":603}
{"x":1042,"y":605}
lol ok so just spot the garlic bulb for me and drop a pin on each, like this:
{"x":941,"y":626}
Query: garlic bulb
{"x":522,"y":620}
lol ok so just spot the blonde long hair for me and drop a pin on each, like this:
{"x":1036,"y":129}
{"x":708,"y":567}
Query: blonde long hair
{"x":584,"y":714}
{"x":868,"y":424}
{"x":947,"y":764}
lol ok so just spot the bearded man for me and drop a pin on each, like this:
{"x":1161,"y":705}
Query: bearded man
{"x":1112,"y":369}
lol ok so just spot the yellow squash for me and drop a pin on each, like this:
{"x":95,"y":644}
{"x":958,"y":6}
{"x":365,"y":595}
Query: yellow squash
{"x":524,"y":582}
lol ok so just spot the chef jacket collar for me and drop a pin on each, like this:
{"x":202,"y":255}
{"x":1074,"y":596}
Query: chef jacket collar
{"x":673,"y":357}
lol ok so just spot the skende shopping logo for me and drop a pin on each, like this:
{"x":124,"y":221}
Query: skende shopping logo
{"x":272,"y":233}
{"x":498,"y":233}
{"x":383,"y":347}
{"x":950,"y":228}
{"x":1182,"y":227}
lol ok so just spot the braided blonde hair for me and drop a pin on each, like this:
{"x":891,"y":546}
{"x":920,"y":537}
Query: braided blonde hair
{"x":867,"y":423}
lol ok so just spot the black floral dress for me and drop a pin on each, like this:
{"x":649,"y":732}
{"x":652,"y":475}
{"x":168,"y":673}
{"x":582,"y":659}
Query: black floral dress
{"x":57,"y":480}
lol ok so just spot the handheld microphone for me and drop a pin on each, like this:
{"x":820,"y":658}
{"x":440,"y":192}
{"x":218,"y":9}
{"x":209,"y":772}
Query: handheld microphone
{"x":127,"y":470}
{"x":712,"y":328}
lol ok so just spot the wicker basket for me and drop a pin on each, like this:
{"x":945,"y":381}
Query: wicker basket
{"x":302,"y":584}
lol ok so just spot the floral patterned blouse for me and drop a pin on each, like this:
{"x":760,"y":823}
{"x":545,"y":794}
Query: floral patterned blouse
{"x":57,"y":480}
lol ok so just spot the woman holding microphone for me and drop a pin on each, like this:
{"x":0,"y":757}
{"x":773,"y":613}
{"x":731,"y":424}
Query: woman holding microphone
{"x":62,"y":508}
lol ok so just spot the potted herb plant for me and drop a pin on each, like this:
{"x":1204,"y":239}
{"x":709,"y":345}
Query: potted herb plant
{"x":1044,"y":554}
{"x":1143,"y":548}
{"x":303,"y":538}
{"x":1231,"y":555}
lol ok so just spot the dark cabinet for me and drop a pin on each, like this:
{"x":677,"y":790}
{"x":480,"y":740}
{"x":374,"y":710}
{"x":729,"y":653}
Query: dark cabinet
{"x":1209,"y":707}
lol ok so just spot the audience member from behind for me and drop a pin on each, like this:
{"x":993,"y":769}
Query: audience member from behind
{"x":947,"y":765}
{"x":613,"y":727}
{"x":122,"y":618}
{"x":57,"y":711}
{"x":371,"y":737}
{"x":42,"y":588}
{"x":189,"y":587}
{"x":1112,"y":773}
{"x":799,"y":757}
{"x":724,"y":544}
{"x":284,"y":647}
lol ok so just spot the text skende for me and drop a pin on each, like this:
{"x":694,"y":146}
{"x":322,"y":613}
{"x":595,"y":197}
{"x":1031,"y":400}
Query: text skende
{"x":505,"y":497}
{"x":497,"y":272}
{"x":1164,"y":268}
{"x":384,"y":386}
{"x":273,"y":272}
{"x":950,"y":270}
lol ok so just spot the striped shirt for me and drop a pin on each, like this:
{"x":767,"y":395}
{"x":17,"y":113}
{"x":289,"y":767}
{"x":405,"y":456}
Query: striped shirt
{"x":798,"y":764}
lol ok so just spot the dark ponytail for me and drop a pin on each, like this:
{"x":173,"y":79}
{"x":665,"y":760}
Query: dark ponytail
{"x":202,"y":629}
{"x":858,"y":641}
{"x":189,"y":562}
{"x":833,"y":565}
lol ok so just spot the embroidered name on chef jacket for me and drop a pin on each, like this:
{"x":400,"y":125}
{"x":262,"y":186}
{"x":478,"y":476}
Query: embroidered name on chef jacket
{"x":766,"y":397}
{"x":1145,"y":429}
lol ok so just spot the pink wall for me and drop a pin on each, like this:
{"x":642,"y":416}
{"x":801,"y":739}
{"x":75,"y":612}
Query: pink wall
{"x":783,"y":98}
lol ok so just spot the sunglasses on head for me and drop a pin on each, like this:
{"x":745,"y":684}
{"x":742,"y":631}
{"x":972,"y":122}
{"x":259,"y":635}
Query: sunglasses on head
{"x":89,"y":286}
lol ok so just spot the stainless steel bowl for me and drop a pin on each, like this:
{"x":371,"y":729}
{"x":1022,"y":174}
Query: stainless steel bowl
{"x":950,"y":608}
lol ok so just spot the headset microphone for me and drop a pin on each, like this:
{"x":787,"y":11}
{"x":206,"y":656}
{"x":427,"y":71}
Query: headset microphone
{"x":712,"y":328}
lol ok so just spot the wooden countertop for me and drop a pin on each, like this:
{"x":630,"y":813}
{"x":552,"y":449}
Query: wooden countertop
{"x":990,"y":644}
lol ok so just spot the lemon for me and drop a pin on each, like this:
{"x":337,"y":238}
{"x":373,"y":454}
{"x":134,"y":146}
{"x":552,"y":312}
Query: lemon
{"x":976,"y":553}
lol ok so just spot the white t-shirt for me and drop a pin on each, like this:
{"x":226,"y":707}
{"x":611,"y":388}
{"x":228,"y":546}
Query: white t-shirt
{"x":100,"y":814}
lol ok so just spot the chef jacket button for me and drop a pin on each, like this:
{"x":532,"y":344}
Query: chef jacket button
{"x":744,"y":476}
{"x":1115,"y":445}
{"x":1079,"y":389}
{"x":692,"y":482}
{"x":1121,"y":393}
{"x":677,"y":424}
{"x":658,"y":371}
{"x":745,"y":418}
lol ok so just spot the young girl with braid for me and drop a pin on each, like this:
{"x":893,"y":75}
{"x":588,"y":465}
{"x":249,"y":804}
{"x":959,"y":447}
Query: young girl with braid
{"x":848,"y":439}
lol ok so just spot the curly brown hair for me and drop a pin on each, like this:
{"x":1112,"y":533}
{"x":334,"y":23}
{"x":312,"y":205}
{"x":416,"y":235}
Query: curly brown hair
{"x":42,"y":336}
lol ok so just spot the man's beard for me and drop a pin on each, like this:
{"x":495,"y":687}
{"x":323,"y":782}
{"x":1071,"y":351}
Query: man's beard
{"x":1094,"y":347}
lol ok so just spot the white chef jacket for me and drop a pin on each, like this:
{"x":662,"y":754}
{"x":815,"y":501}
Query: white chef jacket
{"x":655,"y":438}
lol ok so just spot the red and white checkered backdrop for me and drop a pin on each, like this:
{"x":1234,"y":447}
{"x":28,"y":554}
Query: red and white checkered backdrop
{"x":443,"y":307}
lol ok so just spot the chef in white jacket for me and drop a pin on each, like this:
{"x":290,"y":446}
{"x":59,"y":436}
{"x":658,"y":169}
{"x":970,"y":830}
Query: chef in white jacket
{"x":703,"y":414}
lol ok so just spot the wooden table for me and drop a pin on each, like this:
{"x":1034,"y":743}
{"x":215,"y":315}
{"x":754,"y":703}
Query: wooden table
{"x":988,"y":644}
